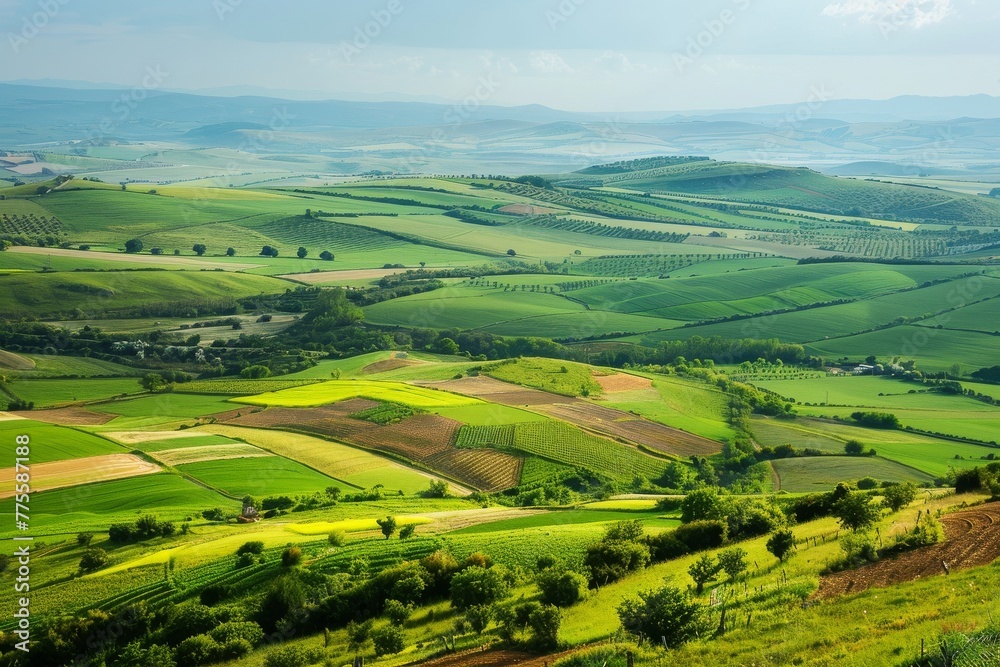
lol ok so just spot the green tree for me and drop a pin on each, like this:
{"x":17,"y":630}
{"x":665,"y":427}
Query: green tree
{"x":561,"y":588}
{"x":359,"y":635}
{"x":704,"y":570}
{"x":854,"y":448}
{"x":666,"y":615}
{"x":84,"y":539}
{"x":407,"y":531}
{"x":397,"y":612}
{"x":388,"y":640}
{"x":781,"y":543}
{"x":133,"y":246}
{"x":898,"y":496}
{"x":153,"y":382}
{"x":291,"y":556}
{"x":544,"y":622}
{"x":387,"y":525}
{"x":701,"y":505}
{"x":734,"y":563}
{"x":475,"y":586}
{"x":199,"y":249}
{"x":230,"y":252}
{"x":326,"y":256}
{"x":856,"y":511}
{"x":479,"y":617}
{"x":301,"y":252}
{"x":93,"y":559}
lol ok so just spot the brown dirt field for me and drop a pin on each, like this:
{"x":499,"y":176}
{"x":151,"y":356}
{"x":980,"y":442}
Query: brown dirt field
{"x":173,"y":457}
{"x":15,"y":362}
{"x":72,"y":417}
{"x":622,"y":382}
{"x":446,"y":522}
{"x":387,"y":365}
{"x":416,"y":438}
{"x":972,"y":539}
{"x":527,"y":209}
{"x":59,"y":474}
{"x":140,"y":437}
{"x":483,"y":468}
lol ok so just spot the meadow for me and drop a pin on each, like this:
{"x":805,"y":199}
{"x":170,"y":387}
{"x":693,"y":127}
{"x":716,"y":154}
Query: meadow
{"x":313,"y":395}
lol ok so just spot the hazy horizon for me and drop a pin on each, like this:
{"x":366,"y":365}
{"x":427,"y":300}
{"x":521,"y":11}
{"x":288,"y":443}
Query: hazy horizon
{"x":571,"y":55}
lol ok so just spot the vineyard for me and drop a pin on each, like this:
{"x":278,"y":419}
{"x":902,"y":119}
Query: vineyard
{"x":484,"y":469}
{"x":867,"y":242}
{"x":238,"y":387}
{"x":600,"y":229}
{"x":328,"y":235}
{"x":650,"y":265}
{"x":499,"y":436}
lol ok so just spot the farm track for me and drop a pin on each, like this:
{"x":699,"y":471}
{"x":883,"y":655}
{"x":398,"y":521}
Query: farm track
{"x":972,"y":540}
{"x":494,"y":658}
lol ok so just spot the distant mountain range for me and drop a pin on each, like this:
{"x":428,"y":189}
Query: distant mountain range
{"x":906,"y":134}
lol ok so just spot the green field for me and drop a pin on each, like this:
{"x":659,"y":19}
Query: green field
{"x":259,"y":477}
{"x":330,"y":392}
{"x":57,"y":443}
{"x":48,"y":393}
{"x":812,"y":474}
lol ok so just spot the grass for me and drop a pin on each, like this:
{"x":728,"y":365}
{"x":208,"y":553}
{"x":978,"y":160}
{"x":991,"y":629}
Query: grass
{"x":167,"y":406}
{"x":568,"y":518}
{"x":339,"y":390}
{"x":353,"y":466}
{"x":95,"y":293}
{"x":559,"y":377}
{"x":487,"y":414}
{"x":48,"y":393}
{"x":811,"y":474}
{"x":259,"y":477}
{"x":80,"y":367}
{"x":57,"y":443}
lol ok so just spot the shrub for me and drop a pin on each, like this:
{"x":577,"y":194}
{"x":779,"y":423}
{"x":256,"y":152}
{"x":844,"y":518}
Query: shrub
{"x":609,"y":561}
{"x":477,"y":586}
{"x":562,"y":589}
{"x":84,"y":539}
{"x":291,"y":556}
{"x":702,"y":535}
{"x":388,"y":640}
{"x":868,"y":483}
{"x":703,"y":570}
{"x":397,"y":612}
{"x":665,"y":613}
{"x":93,"y":559}
{"x":337,"y":538}
{"x":781,"y":544}
{"x":254,"y":547}
{"x":233,"y":630}
{"x":665,"y":546}
{"x":286,"y":656}
{"x":198,"y":650}
{"x":898,"y":496}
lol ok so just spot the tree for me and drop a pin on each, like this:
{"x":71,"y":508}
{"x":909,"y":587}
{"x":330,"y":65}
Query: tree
{"x":665,"y":615}
{"x":703,"y":570}
{"x":156,"y":251}
{"x":93,"y":559}
{"x":388,"y":526}
{"x":255,"y":372}
{"x":733,"y":562}
{"x":358,"y":635}
{"x":856,"y":511}
{"x":326,"y":256}
{"x":561,"y":588}
{"x":475,"y":586}
{"x":544,"y":622}
{"x":5,"y":245}
{"x":479,"y":617}
{"x":133,"y":246}
{"x":230,"y":252}
{"x":610,"y":560}
{"x":701,"y":505}
{"x":397,"y":612}
{"x":407,"y":531}
{"x":268,"y":251}
{"x":199,"y":249}
{"x":854,"y":448}
{"x":511,"y":253}
{"x":781,"y":544}
{"x":337,"y":538}
{"x":388,"y":640}
{"x":153,"y":382}
{"x":301,"y":252}
{"x":291,"y":556}
{"x":898,"y":496}
{"x":84,"y":539}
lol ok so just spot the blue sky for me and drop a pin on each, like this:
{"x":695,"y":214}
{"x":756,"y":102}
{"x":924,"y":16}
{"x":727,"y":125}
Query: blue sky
{"x":599,"y":55}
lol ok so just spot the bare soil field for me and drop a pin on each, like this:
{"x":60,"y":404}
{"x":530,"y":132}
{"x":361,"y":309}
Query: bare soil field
{"x":59,"y":474}
{"x":972,"y":539}
{"x":325,"y":277}
{"x":173,"y":457}
{"x":617,"y":382}
{"x":9,"y":417}
{"x":618,"y":424}
{"x":140,"y":437}
{"x":483,"y":468}
{"x":387,"y":365}
{"x":72,"y":417}
{"x":15,"y":362}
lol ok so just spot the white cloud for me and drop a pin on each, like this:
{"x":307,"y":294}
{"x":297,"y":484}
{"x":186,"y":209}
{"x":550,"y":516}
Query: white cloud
{"x":547,"y":62}
{"x":910,"y":13}
{"x":614,"y":61}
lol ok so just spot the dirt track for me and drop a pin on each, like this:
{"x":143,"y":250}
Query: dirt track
{"x":494,"y":658}
{"x":973,"y":539}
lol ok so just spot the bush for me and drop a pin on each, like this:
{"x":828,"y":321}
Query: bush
{"x":255,"y":547}
{"x":198,"y":650}
{"x":291,"y":556}
{"x":868,"y":483}
{"x":544,"y":622}
{"x":477,"y":586}
{"x":286,"y":656}
{"x":388,"y":640}
{"x":233,"y":630}
{"x":898,"y":496}
{"x":609,"y":561}
{"x":702,"y":535}
{"x":665,"y":546}
{"x":666,"y":613}
{"x":562,"y":589}
{"x":397,"y":612}
{"x":337,"y":538}
{"x":84,"y":539}
{"x":781,"y":544}
{"x":93,"y":559}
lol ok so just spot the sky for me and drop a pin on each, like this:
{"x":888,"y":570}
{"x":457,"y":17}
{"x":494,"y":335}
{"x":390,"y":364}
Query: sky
{"x":575,"y":55}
